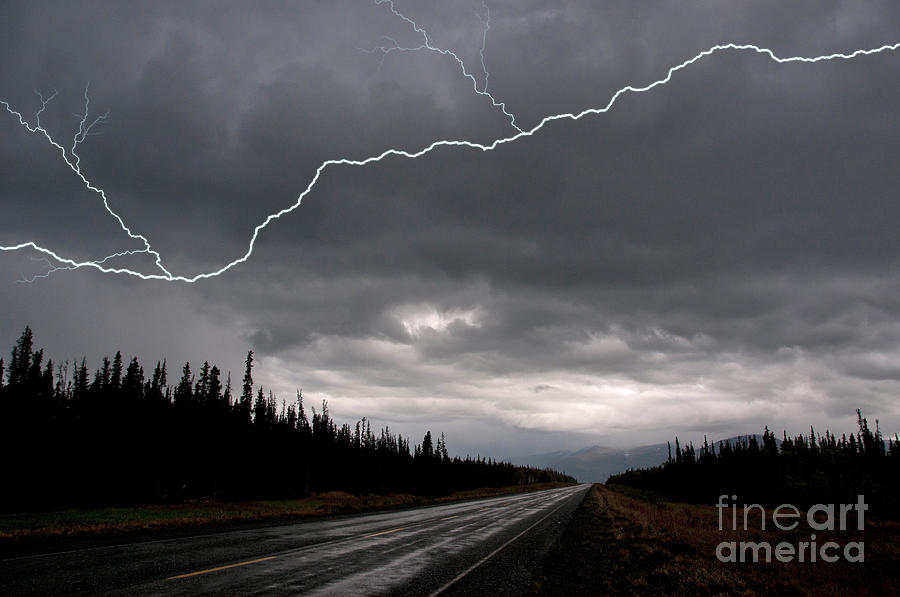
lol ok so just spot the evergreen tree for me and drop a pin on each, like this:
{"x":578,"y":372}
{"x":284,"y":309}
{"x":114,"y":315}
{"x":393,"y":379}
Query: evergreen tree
{"x":427,"y":446}
{"x":226,"y":396}
{"x":133,"y":383}
{"x":115,"y":381}
{"x":246,"y":400}
{"x":158,"y":382}
{"x":183,"y":390}
{"x":214,"y":387}
{"x":80,"y":385}
{"x":20,"y":362}
{"x":103,"y":377}
{"x":259,"y":409}
{"x":45,"y":385}
{"x":201,"y":390}
{"x":302,"y":421}
{"x":34,"y":373}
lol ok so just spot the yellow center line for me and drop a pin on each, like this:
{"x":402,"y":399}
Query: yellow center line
{"x":221,"y":568}
{"x":449,"y":517}
{"x":384,"y":532}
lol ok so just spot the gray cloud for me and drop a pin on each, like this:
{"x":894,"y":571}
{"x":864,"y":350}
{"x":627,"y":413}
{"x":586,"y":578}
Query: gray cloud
{"x":710,"y":256}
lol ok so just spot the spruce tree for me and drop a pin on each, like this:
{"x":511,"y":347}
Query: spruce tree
{"x":158,"y":381}
{"x":201,"y":390}
{"x":246,"y":400}
{"x":226,"y":396}
{"x":259,"y":409}
{"x":115,"y":381}
{"x":21,"y":358}
{"x":427,"y":446}
{"x":183,"y":389}
{"x":133,"y":383}
{"x":214,"y":387}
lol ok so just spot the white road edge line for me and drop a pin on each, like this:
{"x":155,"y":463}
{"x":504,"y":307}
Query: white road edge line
{"x":465,"y":572}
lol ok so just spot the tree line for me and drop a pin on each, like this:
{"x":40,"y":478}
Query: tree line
{"x":120,"y":436}
{"x":801,"y":470}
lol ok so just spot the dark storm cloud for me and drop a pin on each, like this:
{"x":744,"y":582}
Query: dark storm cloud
{"x":717,"y":252}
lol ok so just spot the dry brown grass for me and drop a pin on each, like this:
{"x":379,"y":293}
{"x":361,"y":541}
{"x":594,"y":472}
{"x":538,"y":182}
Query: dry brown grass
{"x":663,"y":548}
{"x":696,"y":527}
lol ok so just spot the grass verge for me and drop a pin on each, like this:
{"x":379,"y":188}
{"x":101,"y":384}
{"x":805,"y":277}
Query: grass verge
{"x":18,"y":528}
{"x":620,"y":544}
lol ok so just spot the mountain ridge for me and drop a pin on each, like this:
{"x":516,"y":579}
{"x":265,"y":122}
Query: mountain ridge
{"x":595,"y":463}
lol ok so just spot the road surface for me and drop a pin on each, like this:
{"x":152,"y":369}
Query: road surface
{"x":480,"y":547}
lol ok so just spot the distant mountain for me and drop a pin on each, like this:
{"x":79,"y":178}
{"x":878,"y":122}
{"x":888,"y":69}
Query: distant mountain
{"x":543,"y":460}
{"x":594,"y":464}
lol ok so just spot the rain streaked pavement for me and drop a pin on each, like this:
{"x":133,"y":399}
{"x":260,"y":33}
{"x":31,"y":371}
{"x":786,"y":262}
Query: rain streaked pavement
{"x":486,"y":546}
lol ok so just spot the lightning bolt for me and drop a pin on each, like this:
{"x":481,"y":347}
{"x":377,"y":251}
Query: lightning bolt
{"x":73,"y":161}
{"x":486,"y":23}
{"x":428,"y":45}
{"x":86,"y":126}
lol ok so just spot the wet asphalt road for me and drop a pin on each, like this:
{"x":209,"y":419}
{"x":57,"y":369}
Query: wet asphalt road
{"x":481,"y":547}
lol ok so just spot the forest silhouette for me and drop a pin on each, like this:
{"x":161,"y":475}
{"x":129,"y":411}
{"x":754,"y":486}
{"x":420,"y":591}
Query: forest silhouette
{"x":801,"y":470}
{"x":119,"y":436}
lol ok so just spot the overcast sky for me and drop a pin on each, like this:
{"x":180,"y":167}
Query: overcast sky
{"x":711,"y":256}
